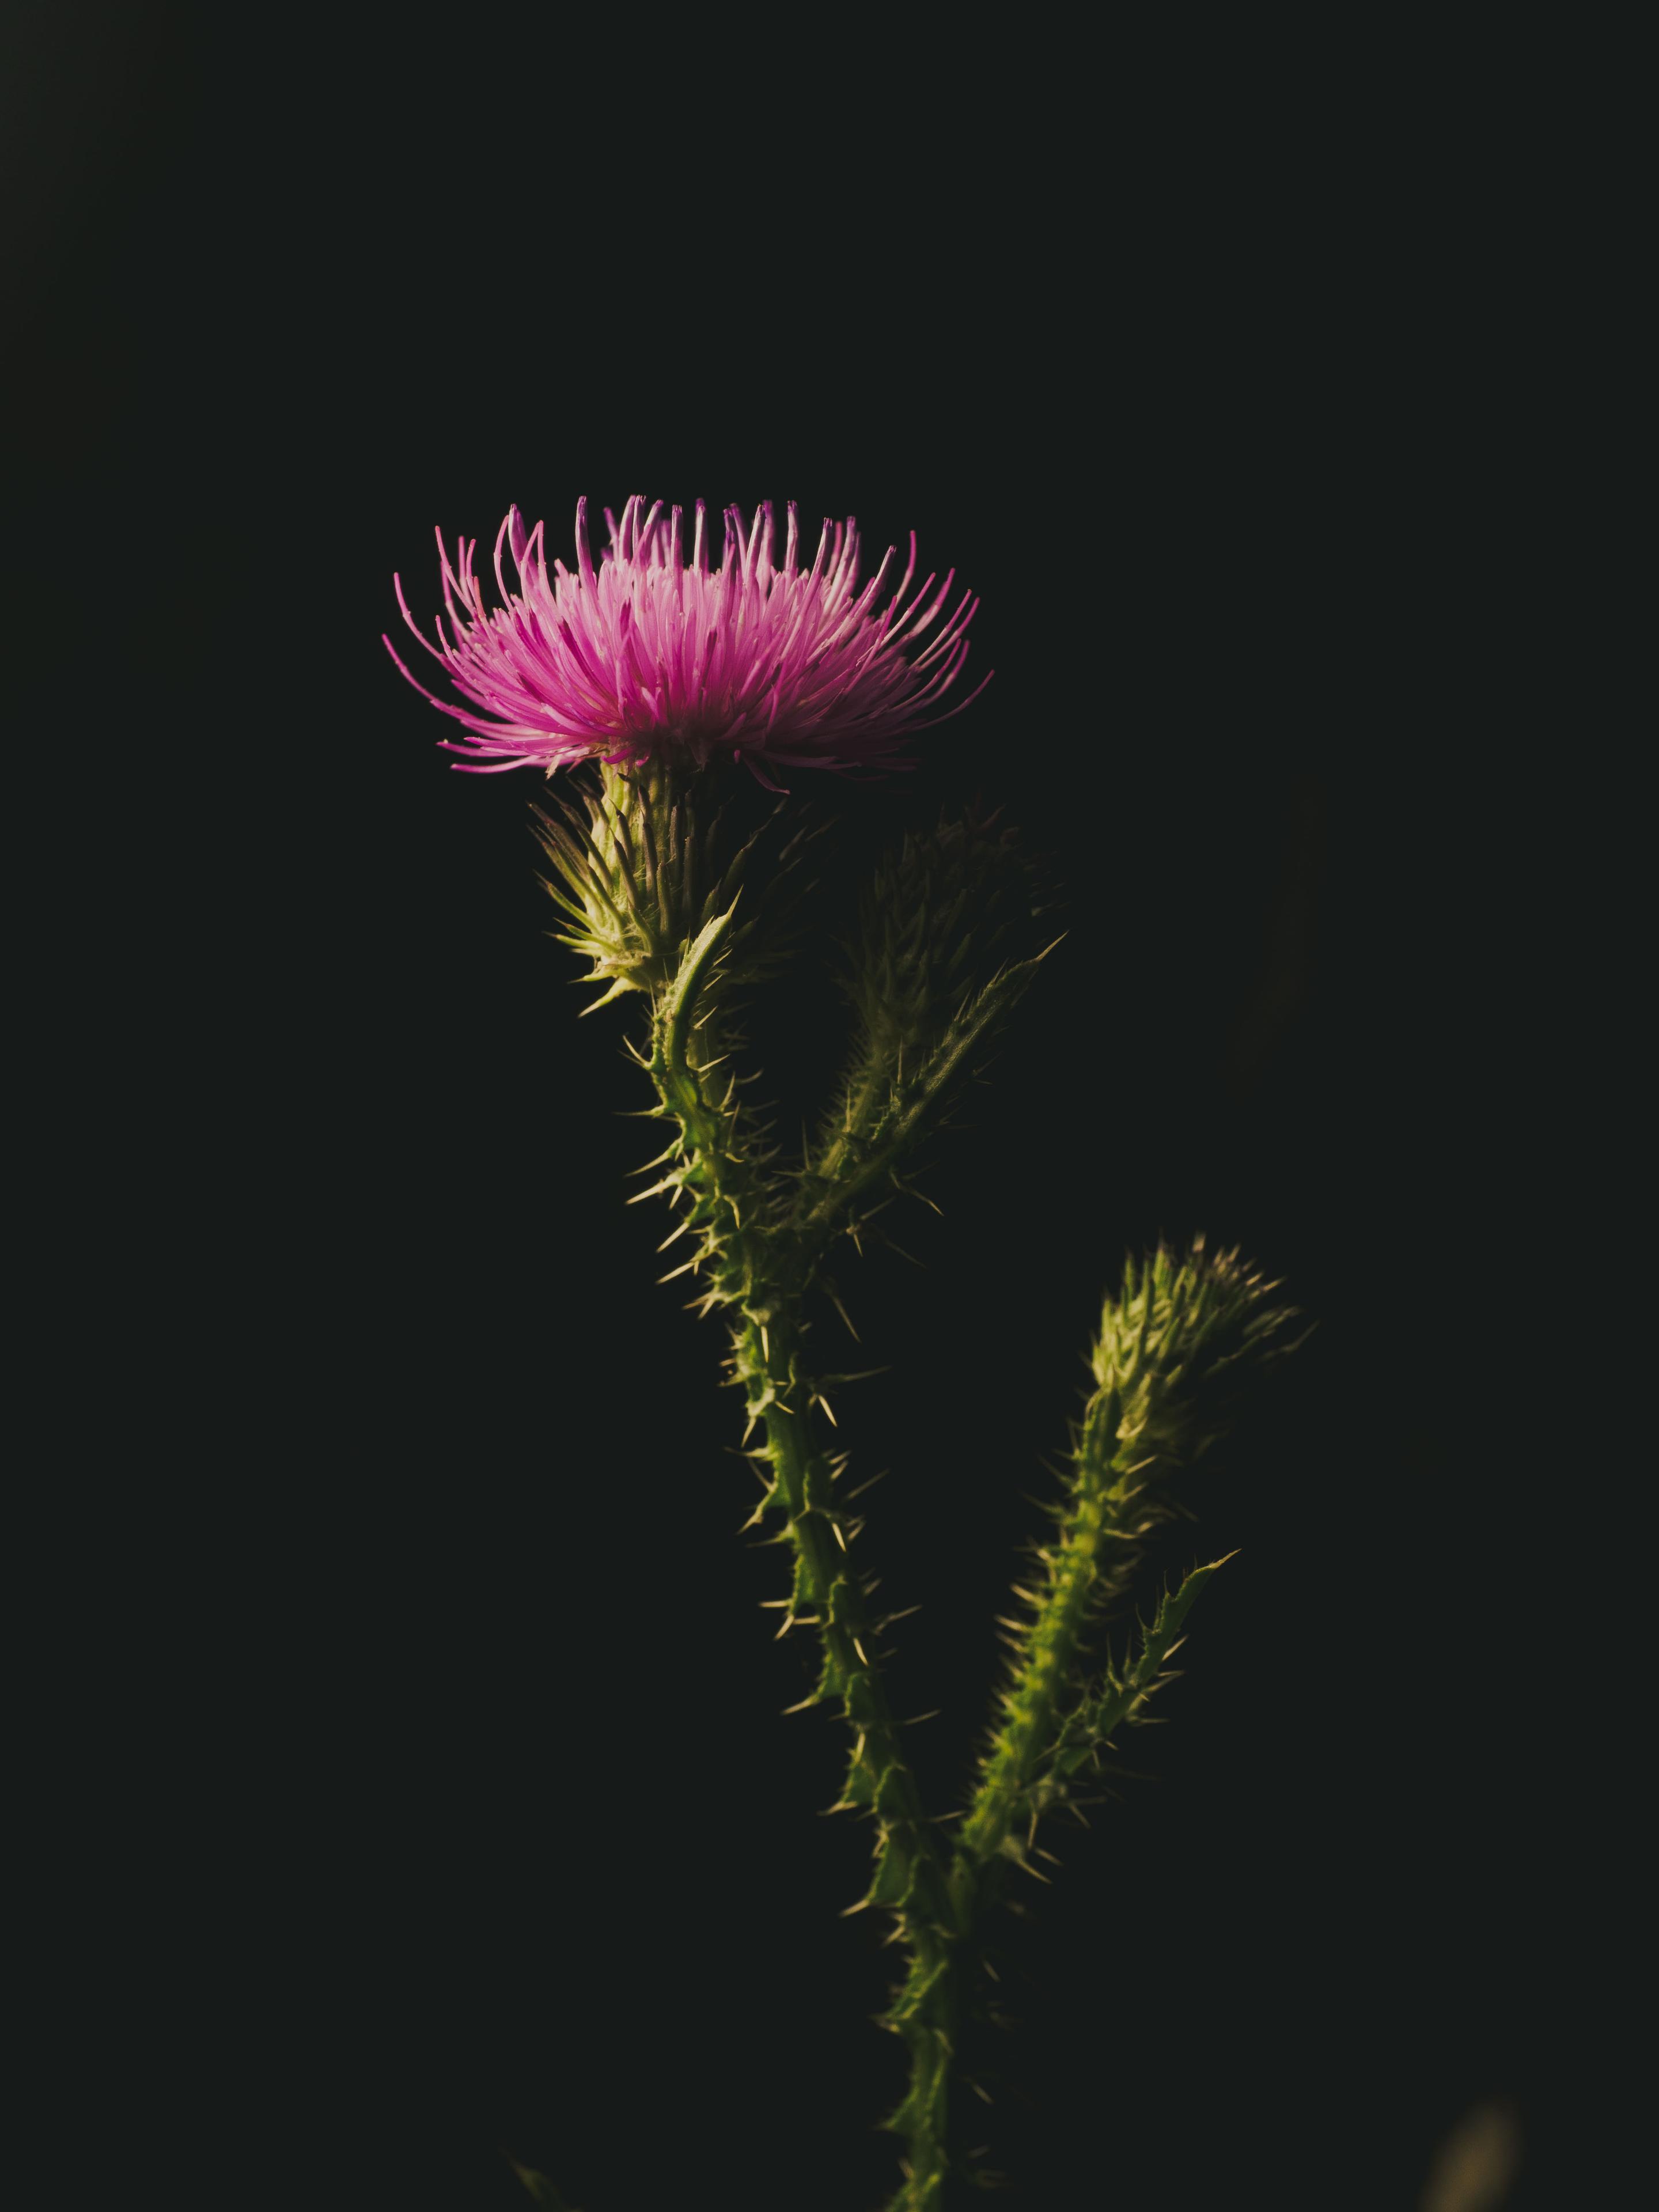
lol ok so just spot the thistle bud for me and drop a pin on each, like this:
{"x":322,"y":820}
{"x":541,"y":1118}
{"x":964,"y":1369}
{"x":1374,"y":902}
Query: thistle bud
{"x":1174,"y":1346}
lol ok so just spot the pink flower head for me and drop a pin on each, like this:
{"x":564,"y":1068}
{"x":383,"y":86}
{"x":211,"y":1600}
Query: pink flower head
{"x":649,"y":654}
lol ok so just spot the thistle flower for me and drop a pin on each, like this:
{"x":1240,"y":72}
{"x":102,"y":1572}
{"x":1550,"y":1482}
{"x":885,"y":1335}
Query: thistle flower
{"x":646,"y":656}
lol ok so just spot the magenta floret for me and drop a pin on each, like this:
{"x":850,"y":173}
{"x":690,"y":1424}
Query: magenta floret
{"x":650,"y":653}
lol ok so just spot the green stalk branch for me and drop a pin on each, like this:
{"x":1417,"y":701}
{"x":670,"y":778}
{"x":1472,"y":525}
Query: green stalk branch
{"x":889,"y":1108}
{"x":1100,"y":1540}
{"x":941,"y":954}
{"x":1171,"y":1345}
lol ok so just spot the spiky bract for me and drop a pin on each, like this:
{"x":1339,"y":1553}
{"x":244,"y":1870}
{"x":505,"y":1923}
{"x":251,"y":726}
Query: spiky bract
{"x":639,"y":872}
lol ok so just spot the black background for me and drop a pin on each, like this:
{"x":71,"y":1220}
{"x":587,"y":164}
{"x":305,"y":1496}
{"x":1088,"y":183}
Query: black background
{"x":450,"y":1802}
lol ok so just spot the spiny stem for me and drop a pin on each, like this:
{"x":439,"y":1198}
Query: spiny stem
{"x":909,"y":1877}
{"x":1166,"y":1357}
{"x":754,"y":1264}
{"x":1102,"y":1524}
{"x":1031,"y":1707}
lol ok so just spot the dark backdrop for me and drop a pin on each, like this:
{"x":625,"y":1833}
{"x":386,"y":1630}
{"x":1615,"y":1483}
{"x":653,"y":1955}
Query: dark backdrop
{"x":458,"y":1809}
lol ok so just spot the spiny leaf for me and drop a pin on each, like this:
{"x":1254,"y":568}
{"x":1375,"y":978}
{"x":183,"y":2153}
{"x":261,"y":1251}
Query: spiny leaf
{"x":1124,"y":1692}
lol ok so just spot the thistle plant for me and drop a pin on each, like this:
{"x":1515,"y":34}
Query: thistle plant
{"x":644,"y":681}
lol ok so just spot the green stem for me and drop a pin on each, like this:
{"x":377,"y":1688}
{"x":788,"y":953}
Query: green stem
{"x":754,"y":1264}
{"x":909,"y":1877}
{"x":1100,"y":1536}
{"x":1031,"y":1710}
